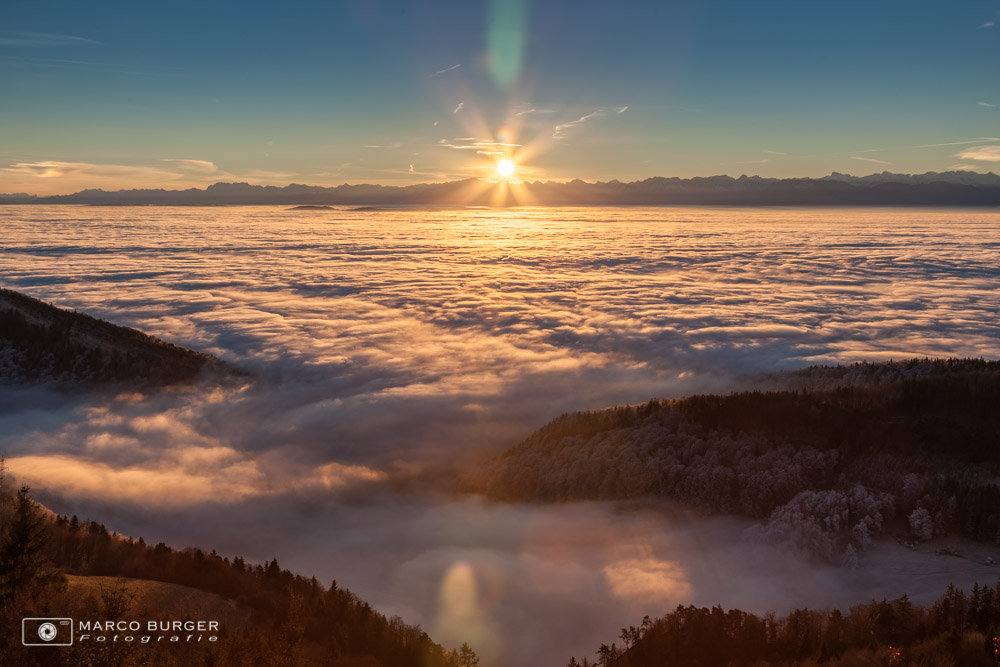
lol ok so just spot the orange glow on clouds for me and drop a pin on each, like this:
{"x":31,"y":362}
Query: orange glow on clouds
{"x":648,"y":580}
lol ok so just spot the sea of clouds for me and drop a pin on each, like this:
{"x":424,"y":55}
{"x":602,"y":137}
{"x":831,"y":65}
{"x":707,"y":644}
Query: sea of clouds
{"x":387,"y":343}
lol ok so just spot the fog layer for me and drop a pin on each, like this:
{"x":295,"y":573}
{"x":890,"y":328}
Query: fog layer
{"x":385,"y":342}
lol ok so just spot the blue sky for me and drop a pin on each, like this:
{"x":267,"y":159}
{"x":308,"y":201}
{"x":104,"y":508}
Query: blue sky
{"x":143,"y":94}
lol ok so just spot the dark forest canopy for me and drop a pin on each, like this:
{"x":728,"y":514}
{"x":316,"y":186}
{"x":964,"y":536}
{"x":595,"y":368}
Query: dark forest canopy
{"x":292,"y":620}
{"x":953,"y":188}
{"x":847,"y":454}
{"x":42,"y":343}
{"x":958,"y":629}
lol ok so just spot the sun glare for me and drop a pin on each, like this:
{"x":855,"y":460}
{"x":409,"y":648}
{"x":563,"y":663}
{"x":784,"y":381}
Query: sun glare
{"x":505,"y":168}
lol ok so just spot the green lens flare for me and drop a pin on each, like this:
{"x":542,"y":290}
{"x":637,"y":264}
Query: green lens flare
{"x":505,"y":40}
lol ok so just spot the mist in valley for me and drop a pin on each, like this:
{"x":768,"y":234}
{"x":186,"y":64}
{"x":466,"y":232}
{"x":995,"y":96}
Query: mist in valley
{"x":385,"y":346}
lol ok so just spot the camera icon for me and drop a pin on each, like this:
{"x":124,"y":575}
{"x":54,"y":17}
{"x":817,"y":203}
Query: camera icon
{"x":47,"y":631}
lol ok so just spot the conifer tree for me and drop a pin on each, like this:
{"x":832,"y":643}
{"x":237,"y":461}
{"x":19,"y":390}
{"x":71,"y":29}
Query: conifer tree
{"x":467,"y":657}
{"x":22,"y":548}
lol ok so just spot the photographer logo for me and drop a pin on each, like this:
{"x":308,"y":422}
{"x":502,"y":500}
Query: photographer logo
{"x":47,"y":631}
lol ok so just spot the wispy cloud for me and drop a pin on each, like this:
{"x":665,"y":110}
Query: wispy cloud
{"x":959,"y":143}
{"x":622,"y":109}
{"x":58,"y":169}
{"x":987,"y":105}
{"x":988,"y":24}
{"x":773,"y":152}
{"x":41,"y":39}
{"x":980,"y":153}
{"x":203,"y":166}
{"x":962,"y":167}
{"x":481,"y":146}
{"x":62,"y":63}
{"x":445,"y":70}
{"x":391,"y":146}
{"x":461,"y":105}
{"x":562,"y":129}
{"x":528,"y":110}
{"x":869,"y":159}
{"x":866,"y":150}
{"x":63,"y":176}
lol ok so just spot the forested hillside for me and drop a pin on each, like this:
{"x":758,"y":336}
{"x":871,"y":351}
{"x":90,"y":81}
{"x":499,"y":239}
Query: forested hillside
{"x":292,"y":620}
{"x":958,"y":629}
{"x":826,"y":466}
{"x":42,"y":343}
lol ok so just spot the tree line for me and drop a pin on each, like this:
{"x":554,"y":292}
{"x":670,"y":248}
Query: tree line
{"x":849,"y":453}
{"x":39,"y":342}
{"x":294,"y":620}
{"x":958,"y":629}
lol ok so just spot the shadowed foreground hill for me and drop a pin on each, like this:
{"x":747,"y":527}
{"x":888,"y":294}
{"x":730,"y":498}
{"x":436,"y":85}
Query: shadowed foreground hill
{"x":42,"y":343}
{"x":158,"y":598}
{"x":959,"y":629}
{"x":54,"y":566}
{"x":847,"y":454}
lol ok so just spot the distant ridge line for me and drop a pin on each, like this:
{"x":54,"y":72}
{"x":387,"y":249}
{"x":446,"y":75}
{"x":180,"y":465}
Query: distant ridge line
{"x":952,"y":188}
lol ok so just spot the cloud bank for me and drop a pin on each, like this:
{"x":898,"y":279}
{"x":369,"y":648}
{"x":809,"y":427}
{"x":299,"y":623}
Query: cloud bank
{"x":386,"y":342}
{"x":980,"y":153}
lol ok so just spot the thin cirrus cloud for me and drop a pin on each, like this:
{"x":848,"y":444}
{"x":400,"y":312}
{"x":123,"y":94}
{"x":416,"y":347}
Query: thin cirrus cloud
{"x":564,"y":129}
{"x":203,"y":166}
{"x":59,"y":169}
{"x":959,"y":143}
{"x":987,"y":105}
{"x":444,"y":71}
{"x":59,"y":176}
{"x":528,"y":110}
{"x":42,"y":39}
{"x":980,"y":153}
{"x":461,"y":105}
{"x":869,"y":159}
{"x":481,"y":146}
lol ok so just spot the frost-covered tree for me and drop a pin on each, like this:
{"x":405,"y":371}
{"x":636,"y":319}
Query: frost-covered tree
{"x":922,"y":524}
{"x":861,"y":535}
{"x":850,"y":560}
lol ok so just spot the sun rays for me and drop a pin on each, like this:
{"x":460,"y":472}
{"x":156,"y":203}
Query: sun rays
{"x":502,"y":155}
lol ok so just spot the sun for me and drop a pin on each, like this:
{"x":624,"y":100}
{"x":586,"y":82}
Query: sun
{"x":505,"y":168}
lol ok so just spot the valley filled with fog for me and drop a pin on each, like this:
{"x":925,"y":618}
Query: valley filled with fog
{"x":384,"y":345}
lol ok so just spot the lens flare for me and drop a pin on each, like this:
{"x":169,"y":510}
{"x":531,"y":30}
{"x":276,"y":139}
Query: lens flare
{"x":461,"y":616}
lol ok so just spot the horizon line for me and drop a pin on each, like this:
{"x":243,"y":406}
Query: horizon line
{"x":742,"y":176}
